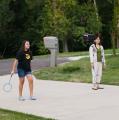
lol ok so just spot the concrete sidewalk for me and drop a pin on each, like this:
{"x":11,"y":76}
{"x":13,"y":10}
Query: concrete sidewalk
{"x":63,"y":100}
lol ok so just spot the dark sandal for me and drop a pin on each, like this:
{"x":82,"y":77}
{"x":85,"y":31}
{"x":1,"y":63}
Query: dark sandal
{"x":94,"y":88}
{"x":100,"y":88}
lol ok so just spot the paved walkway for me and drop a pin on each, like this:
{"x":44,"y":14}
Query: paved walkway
{"x":64,"y":100}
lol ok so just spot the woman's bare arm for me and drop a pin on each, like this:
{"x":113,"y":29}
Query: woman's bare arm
{"x":14,"y":66}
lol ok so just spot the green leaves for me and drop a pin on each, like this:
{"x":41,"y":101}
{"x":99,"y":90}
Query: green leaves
{"x":34,"y":19}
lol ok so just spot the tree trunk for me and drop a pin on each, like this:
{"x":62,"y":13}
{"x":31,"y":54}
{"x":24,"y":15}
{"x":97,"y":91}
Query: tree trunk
{"x":54,"y":21}
{"x":96,"y":9}
{"x":3,"y":53}
{"x":117,"y":15}
{"x":113,"y":44}
{"x":117,"y":36}
{"x":65,"y":46}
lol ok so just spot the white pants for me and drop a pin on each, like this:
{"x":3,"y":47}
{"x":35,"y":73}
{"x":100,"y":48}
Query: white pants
{"x":97,"y":72}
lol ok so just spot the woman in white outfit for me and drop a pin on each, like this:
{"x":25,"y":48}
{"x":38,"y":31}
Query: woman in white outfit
{"x":97,"y":59}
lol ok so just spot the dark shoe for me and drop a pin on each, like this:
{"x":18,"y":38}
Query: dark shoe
{"x":100,"y":88}
{"x":94,"y":88}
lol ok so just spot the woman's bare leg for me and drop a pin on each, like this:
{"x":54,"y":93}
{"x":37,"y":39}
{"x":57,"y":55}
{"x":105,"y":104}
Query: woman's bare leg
{"x":21,"y":83}
{"x":30,"y":81}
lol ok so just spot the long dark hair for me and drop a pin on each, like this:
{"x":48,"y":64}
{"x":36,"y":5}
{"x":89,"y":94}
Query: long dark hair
{"x":23,"y":45}
{"x":95,"y":37}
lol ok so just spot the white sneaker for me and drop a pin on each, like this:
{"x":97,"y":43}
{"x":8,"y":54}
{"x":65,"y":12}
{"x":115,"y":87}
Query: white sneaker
{"x":32,"y":98}
{"x":21,"y":98}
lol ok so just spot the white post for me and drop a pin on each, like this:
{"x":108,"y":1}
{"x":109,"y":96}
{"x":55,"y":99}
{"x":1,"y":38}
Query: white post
{"x":52,"y":44}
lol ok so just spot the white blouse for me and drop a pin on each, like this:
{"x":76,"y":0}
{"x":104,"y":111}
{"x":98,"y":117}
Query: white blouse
{"x":93,"y":54}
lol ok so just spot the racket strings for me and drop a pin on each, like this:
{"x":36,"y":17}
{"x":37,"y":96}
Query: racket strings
{"x":8,"y":86}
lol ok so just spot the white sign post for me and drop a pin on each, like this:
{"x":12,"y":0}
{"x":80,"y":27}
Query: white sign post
{"x":51,"y":43}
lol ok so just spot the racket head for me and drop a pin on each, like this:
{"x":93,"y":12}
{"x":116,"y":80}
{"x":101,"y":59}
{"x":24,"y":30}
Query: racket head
{"x":7,"y":87}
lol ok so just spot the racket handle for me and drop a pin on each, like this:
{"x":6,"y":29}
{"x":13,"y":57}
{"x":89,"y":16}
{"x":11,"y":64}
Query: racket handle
{"x":11,"y":74}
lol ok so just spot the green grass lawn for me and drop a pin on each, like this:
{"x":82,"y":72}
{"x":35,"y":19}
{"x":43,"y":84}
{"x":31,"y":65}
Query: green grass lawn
{"x":71,"y":54}
{"x":11,"y":115}
{"x":80,"y":71}
{"x":80,"y":53}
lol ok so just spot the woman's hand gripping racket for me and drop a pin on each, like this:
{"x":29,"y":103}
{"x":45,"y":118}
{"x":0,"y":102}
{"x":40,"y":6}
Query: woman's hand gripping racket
{"x":7,"y":87}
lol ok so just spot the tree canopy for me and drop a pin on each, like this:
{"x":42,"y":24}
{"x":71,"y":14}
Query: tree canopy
{"x":69,"y":20}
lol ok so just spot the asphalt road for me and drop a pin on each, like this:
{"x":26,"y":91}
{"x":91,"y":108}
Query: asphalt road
{"x":37,"y":63}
